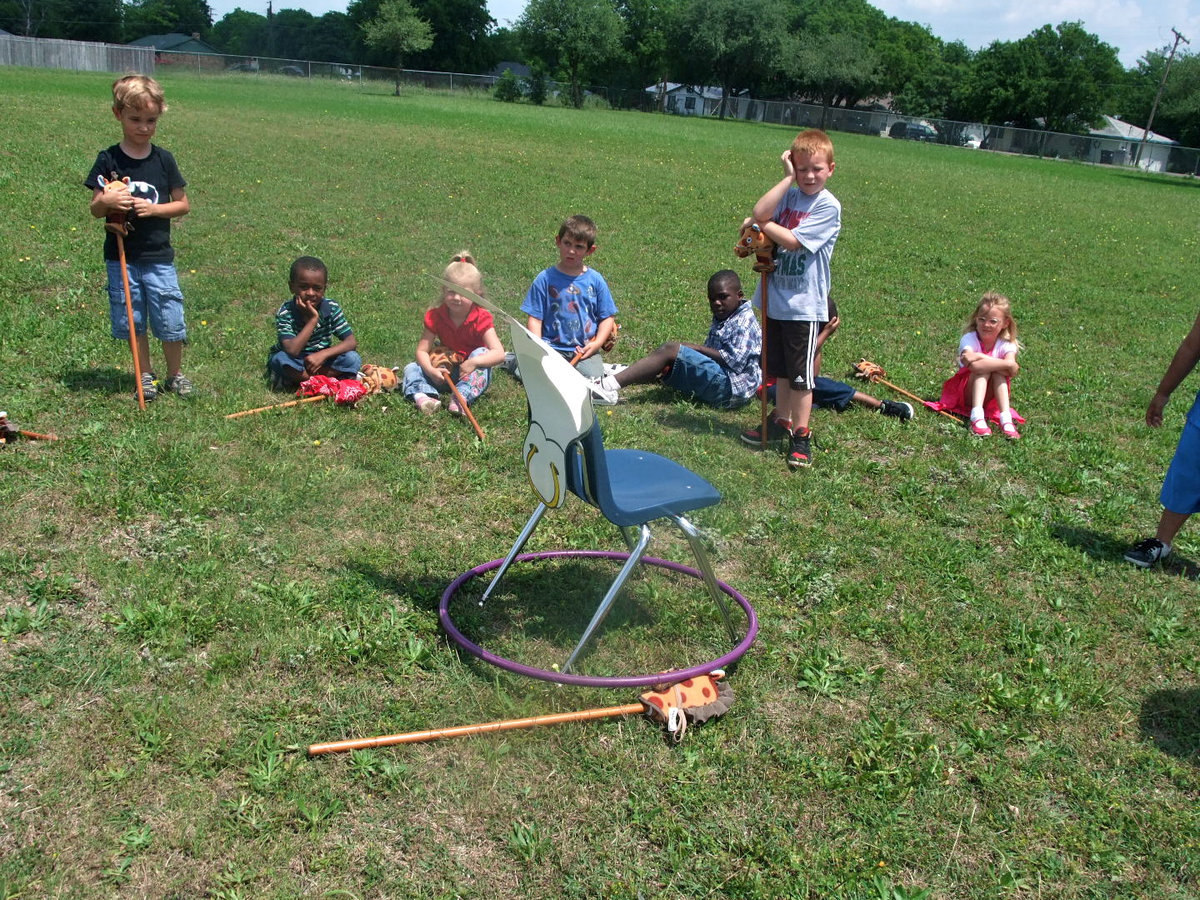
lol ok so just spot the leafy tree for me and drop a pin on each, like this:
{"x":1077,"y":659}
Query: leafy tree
{"x":929,"y":92}
{"x":1059,"y":79}
{"x":580,"y":38}
{"x":240,"y":33}
{"x":333,"y":38}
{"x":143,"y":17}
{"x":651,"y":29}
{"x":833,"y":68}
{"x":734,"y":44}
{"x":460,"y":29}
{"x":398,"y":30}
{"x":76,"y":20}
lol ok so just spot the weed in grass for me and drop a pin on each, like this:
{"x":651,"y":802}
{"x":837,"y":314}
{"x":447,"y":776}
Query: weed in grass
{"x":265,"y":773}
{"x":18,"y":620}
{"x":528,"y":842}
{"x":314,"y":812}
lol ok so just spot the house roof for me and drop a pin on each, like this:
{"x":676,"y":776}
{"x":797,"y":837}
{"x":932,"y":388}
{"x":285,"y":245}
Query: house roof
{"x":174,"y":41}
{"x":708,"y":93}
{"x":1114,"y":127}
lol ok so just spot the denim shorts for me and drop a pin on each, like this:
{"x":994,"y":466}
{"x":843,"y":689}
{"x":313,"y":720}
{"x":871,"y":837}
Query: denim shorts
{"x":1181,"y":488}
{"x":701,"y":377}
{"x":154,"y":290}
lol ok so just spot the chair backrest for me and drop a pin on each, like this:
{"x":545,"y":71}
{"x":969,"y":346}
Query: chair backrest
{"x":560,"y":415}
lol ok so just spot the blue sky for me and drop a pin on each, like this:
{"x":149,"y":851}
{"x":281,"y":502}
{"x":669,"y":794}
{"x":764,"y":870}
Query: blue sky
{"x":1133,"y":27}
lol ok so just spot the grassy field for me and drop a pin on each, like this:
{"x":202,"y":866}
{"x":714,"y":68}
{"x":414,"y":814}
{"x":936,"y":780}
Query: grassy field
{"x":960,"y":690}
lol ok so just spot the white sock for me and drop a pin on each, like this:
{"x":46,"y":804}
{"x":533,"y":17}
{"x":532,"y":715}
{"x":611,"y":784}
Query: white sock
{"x":976,"y":413}
{"x":1006,"y":417}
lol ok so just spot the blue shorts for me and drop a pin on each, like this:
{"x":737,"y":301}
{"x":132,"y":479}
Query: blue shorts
{"x":827,"y":394}
{"x":1181,"y":487}
{"x":154,"y":290}
{"x":703,"y":378}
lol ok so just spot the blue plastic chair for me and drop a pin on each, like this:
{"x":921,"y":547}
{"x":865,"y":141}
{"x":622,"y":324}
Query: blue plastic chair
{"x":564,"y":454}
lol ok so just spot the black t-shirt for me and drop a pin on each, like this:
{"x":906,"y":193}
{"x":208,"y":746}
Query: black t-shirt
{"x":155,"y":177}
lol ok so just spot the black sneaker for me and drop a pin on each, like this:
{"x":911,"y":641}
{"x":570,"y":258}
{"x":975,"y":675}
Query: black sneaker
{"x":775,"y":432}
{"x":149,"y":387}
{"x":1147,"y":553}
{"x":179,"y":384}
{"x":897,"y":409}
{"x":800,"y":454}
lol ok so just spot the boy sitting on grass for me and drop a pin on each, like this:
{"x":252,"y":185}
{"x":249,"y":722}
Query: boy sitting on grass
{"x":723,"y":372}
{"x":306,"y":327}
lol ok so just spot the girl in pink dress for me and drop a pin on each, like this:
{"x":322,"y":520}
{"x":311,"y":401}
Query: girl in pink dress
{"x":987,"y":359}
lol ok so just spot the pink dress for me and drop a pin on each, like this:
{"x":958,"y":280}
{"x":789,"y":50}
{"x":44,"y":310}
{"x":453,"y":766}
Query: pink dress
{"x":954,"y":397}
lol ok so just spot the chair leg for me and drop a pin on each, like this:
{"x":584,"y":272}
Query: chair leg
{"x":635,"y":555}
{"x":697,"y":542}
{"x":512,"y":554}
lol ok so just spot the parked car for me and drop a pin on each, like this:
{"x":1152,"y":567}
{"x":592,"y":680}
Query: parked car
{"x":294,"y":71}
{"x":913,"y":131}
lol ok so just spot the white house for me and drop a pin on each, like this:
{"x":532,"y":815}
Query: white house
{"x":1122,"y":140}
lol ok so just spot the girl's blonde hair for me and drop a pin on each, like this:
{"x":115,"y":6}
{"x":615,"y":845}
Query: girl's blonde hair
{"x":993,"y":300}
{"x":463,"y":272}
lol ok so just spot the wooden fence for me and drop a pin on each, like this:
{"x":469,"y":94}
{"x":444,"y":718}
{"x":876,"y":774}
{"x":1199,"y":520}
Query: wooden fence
{"x":79,"y":55}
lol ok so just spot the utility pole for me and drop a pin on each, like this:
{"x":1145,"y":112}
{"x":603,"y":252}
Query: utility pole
{"x":1162,"y":84}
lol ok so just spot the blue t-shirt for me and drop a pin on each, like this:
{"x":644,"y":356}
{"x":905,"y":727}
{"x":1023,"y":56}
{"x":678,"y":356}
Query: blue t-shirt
{"x":570,"y":307}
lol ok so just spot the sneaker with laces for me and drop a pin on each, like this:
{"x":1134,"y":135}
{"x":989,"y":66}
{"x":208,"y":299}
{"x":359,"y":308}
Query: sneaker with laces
{"x":776,"y":431}
{"x":800,"y":453}
{"x":1147,"y":553}
{"x":427,"y":405}
{"x":149,"y":387}
{"x":897,"y":409}
{"x":179,"y":384}
{"x":453,"y":408}
{"x":981,"y":428}
{"x":604,"y":391}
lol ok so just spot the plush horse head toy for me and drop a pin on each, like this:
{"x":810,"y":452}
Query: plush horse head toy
{"x":116,"y":222}
{"x":753,"y":240}
{"x":378,"y":378}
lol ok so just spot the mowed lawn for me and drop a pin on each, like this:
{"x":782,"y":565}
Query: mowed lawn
{"x":959,"y":689}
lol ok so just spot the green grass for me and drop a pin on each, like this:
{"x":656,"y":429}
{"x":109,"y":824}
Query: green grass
{"x":959,"y":689}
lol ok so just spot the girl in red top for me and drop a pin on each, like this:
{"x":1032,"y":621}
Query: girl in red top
{"x":459,"y":342}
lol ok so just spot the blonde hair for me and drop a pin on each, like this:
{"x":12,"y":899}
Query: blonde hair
{"x":993,"y":300}
{"x":138,"y":92}
{"x":812,"y":142}
{"x":463,"y":272}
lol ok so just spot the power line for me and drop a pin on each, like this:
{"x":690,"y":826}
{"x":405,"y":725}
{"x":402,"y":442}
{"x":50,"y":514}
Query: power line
{"x":1162,"y":84}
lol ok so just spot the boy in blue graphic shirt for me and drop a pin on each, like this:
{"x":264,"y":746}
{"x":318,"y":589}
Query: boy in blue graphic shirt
{"x":569,"y":304}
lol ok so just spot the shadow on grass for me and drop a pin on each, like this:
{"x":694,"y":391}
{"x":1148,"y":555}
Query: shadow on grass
{"x":102,"y":381}
{"x":1171,"y":719}
{"x":542,"y":608}
{"x":1105,"y":548}
{"x":1153,"y":179}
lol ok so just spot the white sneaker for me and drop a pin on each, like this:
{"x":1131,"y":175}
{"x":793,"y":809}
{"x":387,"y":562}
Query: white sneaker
{"x":604,"y":394}
{"x":613,"y":368}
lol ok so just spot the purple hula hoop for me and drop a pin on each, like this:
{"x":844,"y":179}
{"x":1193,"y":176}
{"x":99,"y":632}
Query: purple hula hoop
{"x":598,"y":680}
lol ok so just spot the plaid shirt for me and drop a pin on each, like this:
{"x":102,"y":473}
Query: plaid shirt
{"x":739,"y":341}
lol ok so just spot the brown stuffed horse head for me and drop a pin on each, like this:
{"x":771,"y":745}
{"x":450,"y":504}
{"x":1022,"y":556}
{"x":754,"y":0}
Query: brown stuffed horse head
{"x":116,"y":222}
{"x":753,"y":240}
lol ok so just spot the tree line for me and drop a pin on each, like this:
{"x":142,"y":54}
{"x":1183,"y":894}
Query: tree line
{"x":829,"y":52}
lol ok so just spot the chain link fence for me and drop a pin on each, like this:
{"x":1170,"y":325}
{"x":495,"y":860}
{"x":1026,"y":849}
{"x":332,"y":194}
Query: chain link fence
{"x":671,"y":99}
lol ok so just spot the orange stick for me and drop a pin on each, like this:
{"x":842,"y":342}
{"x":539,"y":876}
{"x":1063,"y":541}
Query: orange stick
{"x":577,"y":357}
{"x":462,"y":404}
{"x":249,"y":412}
{"x":137,"y":364}
{"x":762,"y":428}
{"x":413,"y":737}
{"x":33,"y":435}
